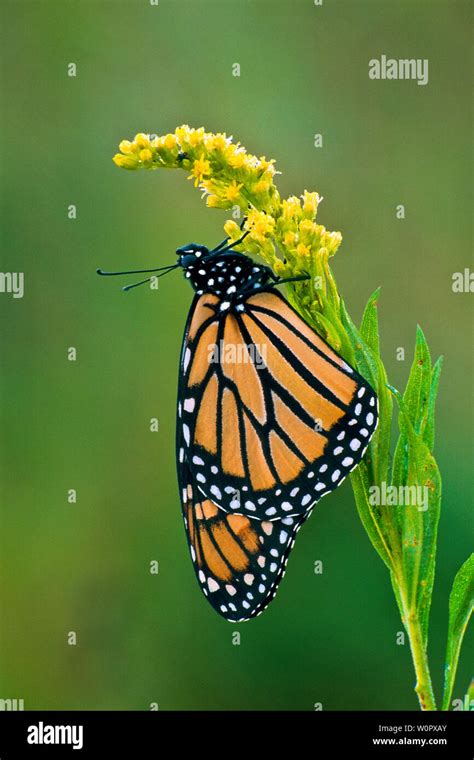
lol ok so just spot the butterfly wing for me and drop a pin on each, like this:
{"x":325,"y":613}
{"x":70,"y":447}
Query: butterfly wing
{"x":239,"y":562}
{"x":270,"y":417}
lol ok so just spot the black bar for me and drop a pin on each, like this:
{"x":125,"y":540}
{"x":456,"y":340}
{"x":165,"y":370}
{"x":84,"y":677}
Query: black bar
{"x":316,"y":734}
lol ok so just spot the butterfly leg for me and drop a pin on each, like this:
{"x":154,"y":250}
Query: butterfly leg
{"x":220,"y":245}
{"x":264,"y":276}
{"x":233,"y":244}
{"x":283,"y":280}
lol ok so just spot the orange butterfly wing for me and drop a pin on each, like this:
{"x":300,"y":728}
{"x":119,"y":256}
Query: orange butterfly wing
{"x":270,"y":418}
{"x":239,"y":561}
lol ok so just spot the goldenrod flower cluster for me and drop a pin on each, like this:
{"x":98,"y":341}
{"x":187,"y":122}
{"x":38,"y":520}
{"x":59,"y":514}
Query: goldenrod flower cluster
{"x":228,"y":175}
{"x":284,"y":232}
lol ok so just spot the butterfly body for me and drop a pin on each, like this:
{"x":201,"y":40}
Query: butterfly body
{"x":230,"y":275}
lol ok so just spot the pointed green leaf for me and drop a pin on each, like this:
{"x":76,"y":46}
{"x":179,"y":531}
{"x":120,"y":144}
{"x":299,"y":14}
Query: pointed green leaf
{"x":429,"y":427}
{"x":380,"y":444}
{"x":396,"y":591}
{"x":418,"y":387}
{"x":331,"y":287}
{"x":372,"y":369}
{"x":370,"y":514}
{"x":369,"y":328}
{"x":400,"y":461}
{"x":461,"y":604}
{"x":365,"y":359}
{"x":417,"y":480}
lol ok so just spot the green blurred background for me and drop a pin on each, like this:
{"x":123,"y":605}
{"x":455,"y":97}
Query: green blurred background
{"x":84,"y":567}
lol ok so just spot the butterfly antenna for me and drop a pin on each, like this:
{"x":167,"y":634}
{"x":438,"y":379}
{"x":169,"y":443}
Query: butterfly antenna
{"x":148,"y":279}
{"x":135,"y":271}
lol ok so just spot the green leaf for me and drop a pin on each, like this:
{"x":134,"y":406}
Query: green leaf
{"x":370,"y":515}
{"x":429,"y":426}
{"x":321,"y":323}
{"x":331,"y":287}
{"x":417,"y":481}
{"x":418,"y":387}
{"x":461,"y":604}
{"x":396,"y":591}
{"x":369,"y":328}
{"x":365,"y":359}
{"x":369,"y":331}
{"x":380,"y":444}
{"x":371,"y":367}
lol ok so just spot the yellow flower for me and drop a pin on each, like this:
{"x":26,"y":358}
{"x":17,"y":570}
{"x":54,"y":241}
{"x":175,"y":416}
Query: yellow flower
{"x":216,"y":142}
{"x":266,"y":166}
{"x":235,"y":156}
{"x":125,"y":162}
{"x":126,"y":146}
{"x":291,"y":209}
{"x":142,"y":140}
{"x":289,"y":238}
{"x":189,"y":137}
{"x":332,"y":240}
{"x":302,"y":250}
{"x":200,"y":167}
{"x":232,"y":192}
{"x":182,"y":133}
{"x":196,"y":137}
{"x":310,"y":204}
{"x":252,"y":161}
{"x":145,"y":155}
{"x":232,"y":229}
{"x":211,"y":187}
{"x":261,"y":186}
{"x":279,"y":268}
{"x":261,"y":225}
{"x":213,"y":201}
{"x":307,"y":233}
{"x":170,"y":142}
{"x":306,"y":226}
{"x":229,"y":175}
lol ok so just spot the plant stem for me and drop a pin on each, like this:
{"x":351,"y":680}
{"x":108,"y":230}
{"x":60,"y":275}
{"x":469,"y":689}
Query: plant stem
{"x":424,"y":687}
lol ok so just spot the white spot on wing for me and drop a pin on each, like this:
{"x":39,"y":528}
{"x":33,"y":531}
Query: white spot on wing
{"x":216,"y":492}
{"x":186,"y":434}
{"x":189,"y":405}
{"x":187,"y":356}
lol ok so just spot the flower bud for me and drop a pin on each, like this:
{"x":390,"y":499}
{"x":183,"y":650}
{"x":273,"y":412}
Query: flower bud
{"x":125,"y":162}
{"x":142,"y":140}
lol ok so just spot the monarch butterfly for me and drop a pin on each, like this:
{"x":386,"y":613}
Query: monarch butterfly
{"x":270,"y":419}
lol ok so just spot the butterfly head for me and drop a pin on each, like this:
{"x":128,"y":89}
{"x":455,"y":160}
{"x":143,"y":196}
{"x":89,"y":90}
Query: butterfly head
{"x":190,"y":254}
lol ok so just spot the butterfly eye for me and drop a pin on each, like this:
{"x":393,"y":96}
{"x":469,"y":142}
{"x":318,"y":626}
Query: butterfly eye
{"x":187,"y":260}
